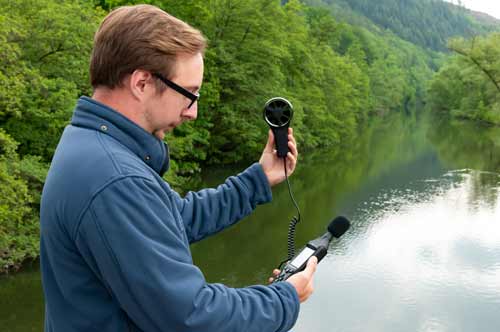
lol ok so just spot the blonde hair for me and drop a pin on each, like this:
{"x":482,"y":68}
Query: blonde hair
{"x":140,"y":37}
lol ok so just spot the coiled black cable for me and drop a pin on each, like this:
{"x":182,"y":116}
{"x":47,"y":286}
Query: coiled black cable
{"x":293,"y":222}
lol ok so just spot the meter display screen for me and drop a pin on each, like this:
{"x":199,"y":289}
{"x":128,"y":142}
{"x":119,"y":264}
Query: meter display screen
{"x":302,"y":257}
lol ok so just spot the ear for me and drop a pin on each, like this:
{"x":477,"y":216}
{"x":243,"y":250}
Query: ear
{"x":140,"y":84}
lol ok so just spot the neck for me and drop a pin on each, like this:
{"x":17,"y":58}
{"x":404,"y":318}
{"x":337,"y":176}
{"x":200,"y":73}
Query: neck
{"x":122,"y":102}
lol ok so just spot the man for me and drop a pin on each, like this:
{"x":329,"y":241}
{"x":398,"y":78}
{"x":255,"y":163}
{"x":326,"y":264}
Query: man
{"x":114,"y":236}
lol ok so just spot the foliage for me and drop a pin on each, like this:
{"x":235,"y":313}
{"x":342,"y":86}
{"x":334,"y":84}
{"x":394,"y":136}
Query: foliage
{"x":45,"y":48}
{"x":18,"y":220}
{"x":468,"y":86}
{"x":428,"y":23}
{"x":337,"y":75}
{"x":395,"y":69}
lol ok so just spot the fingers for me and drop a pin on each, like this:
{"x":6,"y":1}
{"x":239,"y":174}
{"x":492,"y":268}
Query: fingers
{"x":293,"y":154}
{"x":293,"y":149}
{"x":290,"y":136}
{"x":311,"y":266}
{"x":303,"y":281}
{"x":291,"y":161}
{"x":276,"y":273}
{"x":292,"y":143}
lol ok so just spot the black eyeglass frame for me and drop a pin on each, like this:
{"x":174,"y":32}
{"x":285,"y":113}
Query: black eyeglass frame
{"x":186,"y":93}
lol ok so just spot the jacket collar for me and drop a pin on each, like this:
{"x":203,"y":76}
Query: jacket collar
{"x":92,"y":114}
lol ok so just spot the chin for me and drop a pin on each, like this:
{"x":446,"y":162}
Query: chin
{"x":173,"y":126}
{"x":160,"y":134}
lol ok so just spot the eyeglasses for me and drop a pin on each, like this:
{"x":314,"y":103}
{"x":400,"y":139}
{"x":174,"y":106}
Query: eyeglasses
{"x":191,"y":96}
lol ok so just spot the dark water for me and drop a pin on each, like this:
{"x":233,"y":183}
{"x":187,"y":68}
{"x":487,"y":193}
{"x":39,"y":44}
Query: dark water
{"x":21,"y":301}
{"x":423,"y":253}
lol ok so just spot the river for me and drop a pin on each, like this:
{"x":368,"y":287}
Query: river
{"x":423,"y":252}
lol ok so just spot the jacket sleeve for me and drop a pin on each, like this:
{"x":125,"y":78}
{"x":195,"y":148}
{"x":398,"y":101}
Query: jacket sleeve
{"x":137,"y":247}
{"x":209,"y":211}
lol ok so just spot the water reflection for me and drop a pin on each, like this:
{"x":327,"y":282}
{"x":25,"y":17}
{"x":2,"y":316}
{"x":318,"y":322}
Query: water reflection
{"x":21,"y":301}
{"x":427,"y":260}
{"x":466,"y":145}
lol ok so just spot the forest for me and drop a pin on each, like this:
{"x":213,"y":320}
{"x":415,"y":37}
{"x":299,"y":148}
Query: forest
{"x":427,"y":23}
{"x":467,"y":83}
{"x":339,"y":68}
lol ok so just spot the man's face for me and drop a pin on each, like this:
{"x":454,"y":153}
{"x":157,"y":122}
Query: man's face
{"x":169,"y":109}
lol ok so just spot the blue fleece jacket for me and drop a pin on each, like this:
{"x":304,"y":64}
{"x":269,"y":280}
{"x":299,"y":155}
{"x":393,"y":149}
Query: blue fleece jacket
{"x":115,"y":238}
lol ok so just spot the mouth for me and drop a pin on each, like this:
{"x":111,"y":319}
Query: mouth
{"x":160,"y":133}
{"x":173,"y":126}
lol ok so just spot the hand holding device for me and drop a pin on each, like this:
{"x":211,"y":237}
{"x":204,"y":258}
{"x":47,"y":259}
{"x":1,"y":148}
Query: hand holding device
{"x":272,"y":165}
{"x":317,"y":247}
{"x":303,"y":281}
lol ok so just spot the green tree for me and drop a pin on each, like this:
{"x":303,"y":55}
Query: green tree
{"x":468,"y":86}
{"x":45,"y":50}
{"x":18,"y":221}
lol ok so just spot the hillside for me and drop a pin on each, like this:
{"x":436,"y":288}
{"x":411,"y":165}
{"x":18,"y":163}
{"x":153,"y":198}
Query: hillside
{"x":484,"y":18}
{"x":428,"y":23}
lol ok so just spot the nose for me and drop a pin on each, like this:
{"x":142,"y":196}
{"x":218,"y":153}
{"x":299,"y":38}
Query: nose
{"x":192,"y":112}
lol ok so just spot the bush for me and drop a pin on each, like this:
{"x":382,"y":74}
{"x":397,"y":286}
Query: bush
{"x":19,"y":229}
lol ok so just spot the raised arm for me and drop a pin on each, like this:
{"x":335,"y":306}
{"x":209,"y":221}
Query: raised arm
{"x":210,"y":210}
{"x":134,"y":240}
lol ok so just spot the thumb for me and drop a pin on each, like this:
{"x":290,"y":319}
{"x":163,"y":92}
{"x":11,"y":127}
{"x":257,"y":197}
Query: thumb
{"x":312,"y":263}
{"x":270,"y":142}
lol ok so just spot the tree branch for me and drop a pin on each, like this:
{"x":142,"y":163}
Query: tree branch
{"x":57,"y":50}
{"x":478,"y":64}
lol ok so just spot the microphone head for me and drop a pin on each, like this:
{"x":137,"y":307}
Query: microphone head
{"x":339,"y":226}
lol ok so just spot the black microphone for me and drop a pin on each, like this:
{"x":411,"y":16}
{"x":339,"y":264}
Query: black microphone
{"x":317,"y":247}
